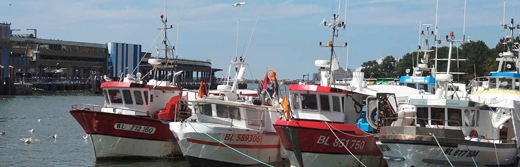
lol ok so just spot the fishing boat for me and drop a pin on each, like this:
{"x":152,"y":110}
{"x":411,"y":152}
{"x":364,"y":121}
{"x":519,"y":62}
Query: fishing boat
{"x":230,"y":130}
{"x":319,"y":128}
{"x":442,"y":129}
{"x":502,"y":86}
{"x":131,"y":122}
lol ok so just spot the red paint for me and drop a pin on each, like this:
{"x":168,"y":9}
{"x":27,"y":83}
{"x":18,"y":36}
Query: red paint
{"x":314,"y":88}
{"x":316,"y":137}
{"x":251,"y":146}
{"x":103,"y":123}
{"x":115,"y":84}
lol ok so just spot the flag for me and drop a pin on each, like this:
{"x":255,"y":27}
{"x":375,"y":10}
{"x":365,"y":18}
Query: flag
{"x":285,"y":103}
{"x":264,"y":83}
{"x":203,"y":90}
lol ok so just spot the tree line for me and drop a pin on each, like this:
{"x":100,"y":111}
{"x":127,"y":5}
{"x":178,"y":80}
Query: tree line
{"x":480,"y":60}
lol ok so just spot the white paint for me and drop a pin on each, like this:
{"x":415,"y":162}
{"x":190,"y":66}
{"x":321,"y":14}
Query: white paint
{"x":222,"y":153}
{"x":110,"y":146}
{"x":414,"y":154}
{"x":135,"y":128}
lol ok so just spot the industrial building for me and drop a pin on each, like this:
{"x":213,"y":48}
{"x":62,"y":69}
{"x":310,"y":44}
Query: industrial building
{"x":29,"y":59}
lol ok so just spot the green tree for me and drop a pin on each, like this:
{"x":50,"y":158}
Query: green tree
{"x":371,"y":69}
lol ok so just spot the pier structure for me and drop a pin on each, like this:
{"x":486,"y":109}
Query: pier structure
{"x":28,"y":63}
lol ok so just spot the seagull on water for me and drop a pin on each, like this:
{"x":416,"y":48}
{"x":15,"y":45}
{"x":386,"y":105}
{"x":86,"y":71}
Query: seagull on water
{"x":39,"y":120}
{"x":55,"y":136}
{"x":28,"y":140}
{"x":32,"y":130}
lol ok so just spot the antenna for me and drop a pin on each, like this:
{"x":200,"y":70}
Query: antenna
{"x":236,"y":43}
{"x":504,"y":17}
{"x":339,"y":7}
{"x":419,"y":44}
{"x":177,"y":39}
{"x":464,"y":24}
{"x":436,"y":32}
{"x":345,"y":14}
{"x":334,"y":25}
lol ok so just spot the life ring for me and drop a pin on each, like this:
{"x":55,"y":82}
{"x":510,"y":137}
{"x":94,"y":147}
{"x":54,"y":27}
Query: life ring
{"x":473,"y":133}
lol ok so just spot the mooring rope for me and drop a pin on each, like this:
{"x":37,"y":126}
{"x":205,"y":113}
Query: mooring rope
{"x":441,"y":149}
{"x":496,"y":154}
{"x":337,"y":138}
{"x":257,"y":160}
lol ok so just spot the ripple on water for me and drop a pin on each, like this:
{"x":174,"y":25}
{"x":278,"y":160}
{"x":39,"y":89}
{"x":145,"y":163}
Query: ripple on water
{"x":19,"y":114}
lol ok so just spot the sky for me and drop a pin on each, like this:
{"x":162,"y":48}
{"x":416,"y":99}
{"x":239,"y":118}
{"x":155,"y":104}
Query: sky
{"x":287,"y":32}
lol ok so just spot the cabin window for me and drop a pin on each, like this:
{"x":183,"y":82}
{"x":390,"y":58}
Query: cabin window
{"x":224,"y":111}
{"x":438,"y":116}
{"x":115,"y":96}
{"x":470,"y":118}
{"x":296,"y":101}
{"x":309,"y":102}
{"x":204,"y":109}
{"x":255,"y":117}
{"x":423,"y":87}
{"x":336,"y":104}
{"x":324,"y":102}
{"x":454,"y":117}
{"x":517,"y":84}
{"x":138,"y":97}
{"x":146,"y":97}
{"x":505,"y":83}
{"x":128,"y":97}
{"x":422,"y":116}
{"x":105,"y":93}
{"x":412,"y":85}
{"x":492,"y":83}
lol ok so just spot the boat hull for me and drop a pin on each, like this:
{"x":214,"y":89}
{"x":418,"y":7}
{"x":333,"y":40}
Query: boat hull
{"x":430,"y":155}
{"x":125,"y":136}
{"x":202,"y":150}
{"x":311,"y":143}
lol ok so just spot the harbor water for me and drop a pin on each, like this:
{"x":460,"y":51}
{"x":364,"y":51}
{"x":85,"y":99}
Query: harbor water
{"x":20,"y":114}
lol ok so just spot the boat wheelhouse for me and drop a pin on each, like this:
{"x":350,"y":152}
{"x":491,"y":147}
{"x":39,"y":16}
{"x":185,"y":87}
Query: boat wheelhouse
{"x":131,"y":123}
{"x":426,"y":83}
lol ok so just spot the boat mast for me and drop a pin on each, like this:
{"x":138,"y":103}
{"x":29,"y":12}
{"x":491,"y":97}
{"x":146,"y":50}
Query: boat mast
{"x":336,"y":23}
{"x":422,"y":63}
{"x":511,"y":48}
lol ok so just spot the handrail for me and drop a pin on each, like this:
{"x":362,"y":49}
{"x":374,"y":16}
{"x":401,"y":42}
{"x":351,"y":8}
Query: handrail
{"x":75,"y":106}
